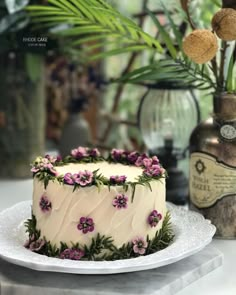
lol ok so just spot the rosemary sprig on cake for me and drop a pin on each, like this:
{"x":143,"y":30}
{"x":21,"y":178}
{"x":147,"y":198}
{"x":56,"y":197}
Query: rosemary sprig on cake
{"x":100,"y":244}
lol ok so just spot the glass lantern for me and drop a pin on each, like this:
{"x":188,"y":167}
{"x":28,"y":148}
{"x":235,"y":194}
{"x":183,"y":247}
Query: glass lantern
{"x":166,"y":119}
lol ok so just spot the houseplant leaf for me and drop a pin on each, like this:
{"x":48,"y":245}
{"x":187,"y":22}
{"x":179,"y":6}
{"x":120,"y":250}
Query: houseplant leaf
{"x":92,"y":18}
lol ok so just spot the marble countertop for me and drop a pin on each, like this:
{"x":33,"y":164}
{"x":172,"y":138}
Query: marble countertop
{"x":219,"y":281}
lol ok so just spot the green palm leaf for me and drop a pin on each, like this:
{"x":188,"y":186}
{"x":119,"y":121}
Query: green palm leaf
{"x":93,"y":20}
{"x":178,"y":73}
{"x":164,"y":34}
{"x":178,"y":35}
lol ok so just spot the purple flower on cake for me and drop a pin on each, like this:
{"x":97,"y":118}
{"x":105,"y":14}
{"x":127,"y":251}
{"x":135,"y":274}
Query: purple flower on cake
{"x":118,"y":179}
{"x":132,"y":157}
{"x":154,"y":170}
{"x":59,"y":158}
{"x":45,"y":204}
{"x":94,"y":153}
{"x":83,"y":178}
{"x":86,"y":224}
{"x":80,"y":152}
{"x":37,"y":245}
{"x":120,"y":201}
{"x":154,"y":218}
{"x":29,"y":241}
{"x":68,"y":178}
{"x":73,"y":254}
{"x":117,"y":154}
{"x":148,"y":162}
{"x":139,"y":161}
{"x":66,"y":254}
{"x":155,"y":160}
{"x":139,"y":245}
{"x":51,"y":159}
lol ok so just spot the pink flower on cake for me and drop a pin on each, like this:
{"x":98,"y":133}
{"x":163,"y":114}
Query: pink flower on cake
{"x":139,"y":245}
{"x":79,"y":153}
{"x":118,"y":179}
{"x":86,"y":224}
{"x":94,"y":153}
{"x":45,"y":204}
{"x":139,"y":161}
{"x":29,"y":241}
{"x":154,"y":170}
{"x":42,"y":164}
{"x":147,"y":162}
{"x":154,"y":218}
{"x":51,"y":159}
{"x":37,"y":245}
{"x":68,"y":178}
{"x":83,"y":178}
{"x":73,"y":254}
{"x":120,"y":201}
{"x":155,"y":160}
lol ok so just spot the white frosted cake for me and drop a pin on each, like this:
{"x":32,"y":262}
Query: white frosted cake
{"x":86,"y":207}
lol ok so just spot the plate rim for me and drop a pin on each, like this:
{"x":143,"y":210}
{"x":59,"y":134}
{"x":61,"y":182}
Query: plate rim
{"x":113,"y":267}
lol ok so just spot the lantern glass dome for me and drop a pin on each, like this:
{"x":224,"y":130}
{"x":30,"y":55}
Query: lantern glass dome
{"x":168,"y":116}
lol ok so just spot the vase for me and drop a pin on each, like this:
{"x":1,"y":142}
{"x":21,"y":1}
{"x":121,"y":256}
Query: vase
{"x":213,"y":166}
{"x":22,"y":112}
{"x":76,"y":132}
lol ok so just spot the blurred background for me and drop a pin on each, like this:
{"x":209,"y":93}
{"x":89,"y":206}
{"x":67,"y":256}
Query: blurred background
{"x":52,"y":99}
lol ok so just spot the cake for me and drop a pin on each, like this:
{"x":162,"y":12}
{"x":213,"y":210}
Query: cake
{"x":86,"y":207}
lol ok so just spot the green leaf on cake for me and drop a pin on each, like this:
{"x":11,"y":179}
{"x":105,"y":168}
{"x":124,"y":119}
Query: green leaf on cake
{"x":101,"y":246}
{"x":162,"y":238}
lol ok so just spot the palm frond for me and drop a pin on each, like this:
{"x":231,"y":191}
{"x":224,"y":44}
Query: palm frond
{"x":178,"y":35}
{"x":93,"y":20}
{"x":169,"y":44}
{"x":179,"y":72}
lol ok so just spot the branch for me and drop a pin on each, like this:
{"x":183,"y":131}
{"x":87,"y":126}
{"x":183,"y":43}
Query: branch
{"x":214,"y":69}
{"x":144,"y":14}
{"x":185,"y":7}
{"x":116,"y":119}
{"x":222,"y":64}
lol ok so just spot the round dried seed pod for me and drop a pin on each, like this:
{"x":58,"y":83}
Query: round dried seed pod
{"x":200,"y":46}
{"x":224,"y":24}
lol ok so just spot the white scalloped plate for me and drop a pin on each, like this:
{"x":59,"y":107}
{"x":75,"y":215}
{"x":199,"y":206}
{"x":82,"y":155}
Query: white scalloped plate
{"x":192,"y":233}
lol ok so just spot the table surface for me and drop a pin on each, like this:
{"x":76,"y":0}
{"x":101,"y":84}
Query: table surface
{"x":221,"y":281}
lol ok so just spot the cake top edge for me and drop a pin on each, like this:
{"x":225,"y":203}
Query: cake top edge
{"x":45,"y":168}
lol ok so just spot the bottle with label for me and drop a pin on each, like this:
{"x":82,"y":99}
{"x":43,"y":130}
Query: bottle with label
{"x":212,"y":178}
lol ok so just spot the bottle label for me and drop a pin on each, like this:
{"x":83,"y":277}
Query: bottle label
{"x":210,"y":180}
{"x":228,"y":132}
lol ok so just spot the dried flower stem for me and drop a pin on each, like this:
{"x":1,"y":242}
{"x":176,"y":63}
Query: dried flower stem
{"x":185,"y":6}
{"x":214,"y":69}
{"x":222,"y":65}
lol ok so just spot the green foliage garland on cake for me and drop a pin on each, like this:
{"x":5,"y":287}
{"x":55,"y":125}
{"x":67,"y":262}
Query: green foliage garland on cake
{"x":44,"y":169}
{"x":101,"y":246}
